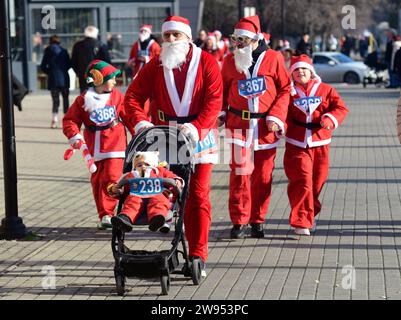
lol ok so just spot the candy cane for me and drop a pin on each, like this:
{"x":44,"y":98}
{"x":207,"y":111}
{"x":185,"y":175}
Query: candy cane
{"x":89,"y":161}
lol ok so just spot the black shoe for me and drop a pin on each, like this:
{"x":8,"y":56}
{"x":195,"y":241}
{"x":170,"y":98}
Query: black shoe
{"x":257,"y":230}
{"x":122,"y":222}
{"x":157,"y":222}
{"x":238,"y":231}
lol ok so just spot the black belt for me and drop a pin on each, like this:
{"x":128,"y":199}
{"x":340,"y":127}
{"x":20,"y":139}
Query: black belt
{"x":166,"y":117}
{"x":101,"y":128}
{"x":309,"y":125}
{"x":246,"y":114}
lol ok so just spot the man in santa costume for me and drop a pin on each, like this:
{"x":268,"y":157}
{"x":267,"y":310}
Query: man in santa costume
{"x":315,"y":110}
{"x":143,"y":50}
{"x":100,"y":109}
{"x":222,"y":44}
{"x":185,"y":87}
{"x":256,"y":96}
{"x":210,"y":46}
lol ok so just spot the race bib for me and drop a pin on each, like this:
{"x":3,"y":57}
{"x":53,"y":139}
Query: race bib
{"x":207,"y":145}
{"x":308,"y":104}
{"x":103,"y":116}
{"x":142,"y":53}
{"x":145,"y":187}
{"x":251,"y":88}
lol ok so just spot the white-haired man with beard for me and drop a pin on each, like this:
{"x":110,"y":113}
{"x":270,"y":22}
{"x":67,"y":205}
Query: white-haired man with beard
{"x":185,"y":88}
{"x":255,"y":103}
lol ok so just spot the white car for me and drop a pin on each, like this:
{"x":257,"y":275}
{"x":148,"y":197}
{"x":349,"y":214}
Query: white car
{"x":337,"y":67}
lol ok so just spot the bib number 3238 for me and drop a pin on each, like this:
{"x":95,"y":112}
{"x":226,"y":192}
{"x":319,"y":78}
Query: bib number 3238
{"x":252,"y":87}
{"x":146,"y":187}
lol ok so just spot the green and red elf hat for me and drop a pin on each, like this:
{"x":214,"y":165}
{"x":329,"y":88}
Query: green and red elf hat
{"x":98,"y":72}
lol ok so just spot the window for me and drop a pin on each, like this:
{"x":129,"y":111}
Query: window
{"x":317,"y":59}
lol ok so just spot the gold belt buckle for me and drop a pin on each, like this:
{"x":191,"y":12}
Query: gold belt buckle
{"x":161,"y":115}
{"x":246,"y":115}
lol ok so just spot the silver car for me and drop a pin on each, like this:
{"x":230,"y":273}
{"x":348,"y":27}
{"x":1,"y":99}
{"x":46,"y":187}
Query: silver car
{"x":337,"y":67}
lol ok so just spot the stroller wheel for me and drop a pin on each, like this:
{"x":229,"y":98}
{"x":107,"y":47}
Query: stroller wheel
{"x":186,"y":271}
{"x":165,"y":283}
{"x":196,"y":271}
{"x":120,"y":283}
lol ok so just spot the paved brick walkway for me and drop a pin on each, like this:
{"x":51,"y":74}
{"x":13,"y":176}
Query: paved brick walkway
{"x":359,"y":226}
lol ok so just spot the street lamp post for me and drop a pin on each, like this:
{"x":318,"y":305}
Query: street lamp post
{"x":11,"y":226}
{"x":240,"y":9}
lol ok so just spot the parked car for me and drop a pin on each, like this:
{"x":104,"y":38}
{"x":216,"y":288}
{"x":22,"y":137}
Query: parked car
{"x":337,"y":67}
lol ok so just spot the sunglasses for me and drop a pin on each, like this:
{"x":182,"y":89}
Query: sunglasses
{"x":239,"y":39}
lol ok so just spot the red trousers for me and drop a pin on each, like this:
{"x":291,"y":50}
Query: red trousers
{"x":198,"y":211}
{"x":133,"y":206}
{"x":250,"y":184}
{"x":108,"y":171}
{"x":307,"y":171}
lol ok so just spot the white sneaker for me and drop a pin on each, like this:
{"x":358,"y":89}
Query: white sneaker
{"x":105,"y":223}
{"x":302,"y":231}
{"x":203,"y":272}
{"x":313,"y":229}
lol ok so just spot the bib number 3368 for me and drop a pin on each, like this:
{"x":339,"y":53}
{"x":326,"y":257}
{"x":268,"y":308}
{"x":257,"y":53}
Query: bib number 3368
{"x":103,"y":115}
{"x":253,"y":87}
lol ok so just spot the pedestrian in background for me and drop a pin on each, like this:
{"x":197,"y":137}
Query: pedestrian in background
{"x":315,"y":110}
{"x":304,"y":46}
{"x":55,"y":64}
{"x":85,"y":51}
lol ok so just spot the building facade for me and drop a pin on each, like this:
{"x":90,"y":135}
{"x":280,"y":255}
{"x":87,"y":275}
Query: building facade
{"x":118,"y":21}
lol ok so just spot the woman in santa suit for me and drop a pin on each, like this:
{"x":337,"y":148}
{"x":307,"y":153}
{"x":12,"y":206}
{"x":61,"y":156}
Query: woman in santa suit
{"x":185,"y":86}
{"x":315,"y":110}
{"x":100,"y":109}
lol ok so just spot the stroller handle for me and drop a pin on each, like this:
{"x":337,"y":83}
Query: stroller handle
{"x":166,"y":182}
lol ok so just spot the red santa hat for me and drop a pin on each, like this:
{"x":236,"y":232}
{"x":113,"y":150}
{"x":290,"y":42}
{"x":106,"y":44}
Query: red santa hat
{"x":249,"y":27}
{"x":146,"y":27}
{"x":212,"y":36}
{"x":177,"y":23}
{"x":149,"y":157}
{"x":302,"y":61}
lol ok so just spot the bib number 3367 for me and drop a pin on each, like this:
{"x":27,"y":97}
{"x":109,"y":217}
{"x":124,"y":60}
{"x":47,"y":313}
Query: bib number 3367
{"x":252,"y":87}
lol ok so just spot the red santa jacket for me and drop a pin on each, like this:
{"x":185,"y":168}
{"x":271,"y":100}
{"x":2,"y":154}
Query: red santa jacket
{"x":102,"y":144}
{"x":270,"y":69}
{"x":320,"y":101}
{"x":151,"y":51}
{"x":202,"y":96}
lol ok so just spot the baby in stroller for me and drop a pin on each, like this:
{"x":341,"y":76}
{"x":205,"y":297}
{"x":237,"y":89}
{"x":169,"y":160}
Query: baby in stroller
{"x":145,"y":165}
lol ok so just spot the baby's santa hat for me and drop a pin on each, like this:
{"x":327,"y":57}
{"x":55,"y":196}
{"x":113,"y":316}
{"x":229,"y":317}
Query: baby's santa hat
{"x":177,"y":23}
{"x":302,"y":61}
{"x":146,"y":27}
{"x":99,"y":72}
{"x":149,"y":157}
{"x":249,"y":27}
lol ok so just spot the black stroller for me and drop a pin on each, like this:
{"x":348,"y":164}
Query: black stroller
{"x":377,"y":73}
{"x":177,"y":151}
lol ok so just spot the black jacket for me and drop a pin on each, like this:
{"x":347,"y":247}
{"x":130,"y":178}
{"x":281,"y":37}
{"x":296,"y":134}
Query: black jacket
{"x":86,"y":50}
{"x":56,"y":63}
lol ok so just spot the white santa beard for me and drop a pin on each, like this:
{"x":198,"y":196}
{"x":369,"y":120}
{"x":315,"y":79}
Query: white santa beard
{"x":94,"y":100}
{"x":142,"y":37}
{"x":174,"y":54}
{"x":243,"y":58}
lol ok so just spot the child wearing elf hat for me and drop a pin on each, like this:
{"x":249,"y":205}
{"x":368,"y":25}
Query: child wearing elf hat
{"x":100,"y":110}
{"x":315,"y":110}
{"x":144,"y":165}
